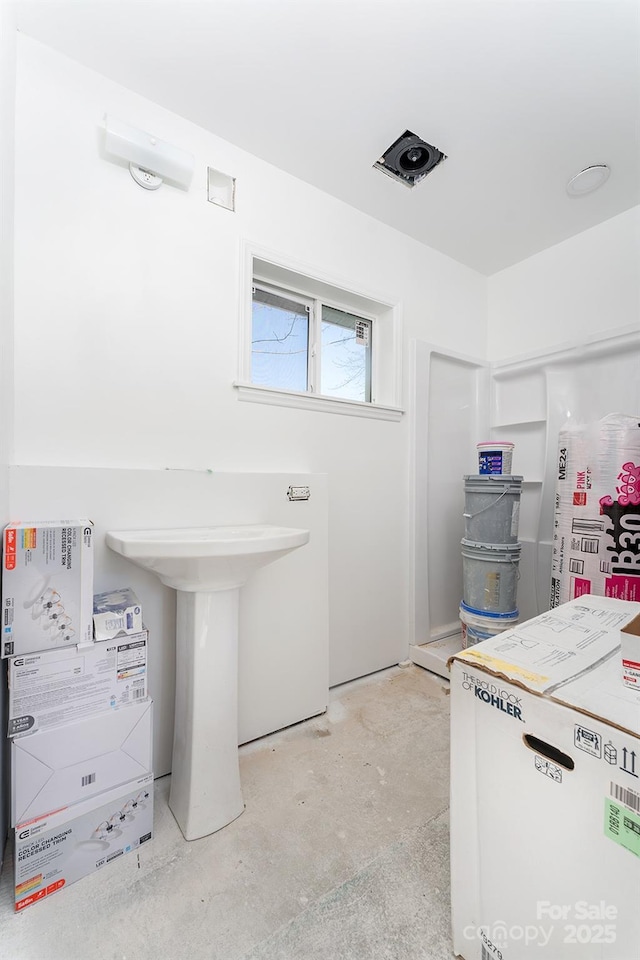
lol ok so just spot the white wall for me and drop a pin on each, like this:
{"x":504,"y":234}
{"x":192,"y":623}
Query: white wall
{"x":580,"y":288}
{"x":568,"y":296}
{"x":127,"y":306}
{"x":584,"y":289}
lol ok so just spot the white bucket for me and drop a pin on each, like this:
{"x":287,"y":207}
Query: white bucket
{"x":492,"y":508}
{"x":490,"y":576}
{"x":479,"y":625}
{"x":495,"y":456}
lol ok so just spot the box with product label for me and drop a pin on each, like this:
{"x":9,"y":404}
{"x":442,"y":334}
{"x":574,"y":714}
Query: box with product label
{"x":595,"y":546}
{"x":63,"y":765}
{"x":55,"y":850}
{"x":545,"y":790}
{"x":630,"y":650}
{"x":47,"y":585}
{"x":56,"y":686}
{"x":116,"y":613}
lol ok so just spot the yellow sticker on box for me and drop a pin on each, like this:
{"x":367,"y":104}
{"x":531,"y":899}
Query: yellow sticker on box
{"x":503,"y":666}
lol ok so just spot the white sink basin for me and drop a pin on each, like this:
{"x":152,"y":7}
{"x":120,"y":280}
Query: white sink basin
{"x":206,"y":558}
{"x":207,"y":566}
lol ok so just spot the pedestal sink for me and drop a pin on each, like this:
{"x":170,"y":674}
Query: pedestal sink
{"x":207,"y":566}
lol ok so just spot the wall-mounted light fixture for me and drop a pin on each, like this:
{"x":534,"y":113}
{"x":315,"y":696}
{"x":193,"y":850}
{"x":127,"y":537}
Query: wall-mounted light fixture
{"x":151,"y":161}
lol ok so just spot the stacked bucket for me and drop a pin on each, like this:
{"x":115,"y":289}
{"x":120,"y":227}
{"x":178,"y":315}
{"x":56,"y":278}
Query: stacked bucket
{"x":490,"y":548}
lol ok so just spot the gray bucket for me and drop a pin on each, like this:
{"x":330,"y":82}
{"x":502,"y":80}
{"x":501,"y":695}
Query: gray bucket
{"x":492,"y":508}
{"x":490,"y":575}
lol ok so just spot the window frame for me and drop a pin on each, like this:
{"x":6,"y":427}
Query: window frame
{"x":281,"y":274}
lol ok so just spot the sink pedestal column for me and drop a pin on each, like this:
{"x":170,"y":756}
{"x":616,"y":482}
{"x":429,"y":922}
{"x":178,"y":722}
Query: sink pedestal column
{"x":205,"y":780}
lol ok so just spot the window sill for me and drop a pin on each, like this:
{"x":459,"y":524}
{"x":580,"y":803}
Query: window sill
{"x":314,"y":401}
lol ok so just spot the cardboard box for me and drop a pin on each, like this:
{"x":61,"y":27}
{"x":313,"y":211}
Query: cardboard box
{"x":116,"y":613}
{"x":54,"y":851}
{"x":47,"y":585}
{"x":545,"y":790}
{"x":57,"y":686}
{"x":597,"y":511}
{"x":630,"y":650}
{"x":63,"y":765}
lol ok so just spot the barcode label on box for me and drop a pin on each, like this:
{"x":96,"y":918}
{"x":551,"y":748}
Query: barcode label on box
{"x":139,"y":694}
{"x":88,"y":779}
{"x":490,"y":950}
{"x":587,"y":526}
{"x":589,"y":545}
{"x":623,"y":795}
{"x":576,"y":566}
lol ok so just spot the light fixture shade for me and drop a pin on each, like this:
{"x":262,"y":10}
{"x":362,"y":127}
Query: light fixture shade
{"x":588,"y":180}
{"x":146,"y":151}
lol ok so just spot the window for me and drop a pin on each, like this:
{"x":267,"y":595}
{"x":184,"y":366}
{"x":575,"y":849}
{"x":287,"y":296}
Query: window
{"x":279,"y":340}
{"x":306,"y":342}
{"x":304,"y":345}
{"x":345,"y":356}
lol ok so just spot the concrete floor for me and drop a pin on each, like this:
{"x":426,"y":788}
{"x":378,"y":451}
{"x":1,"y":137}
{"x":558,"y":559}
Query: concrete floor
{"x":341,"y":853}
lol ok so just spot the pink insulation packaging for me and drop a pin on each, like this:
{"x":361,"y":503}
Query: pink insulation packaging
{"x":596,"y":531}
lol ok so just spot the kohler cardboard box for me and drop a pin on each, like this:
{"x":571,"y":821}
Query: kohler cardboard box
{"x":57,"y":686}
{"x":545,"y":790}
{"x":63,"y":765}
{"x":53,"y":851}
{"x":47,"y":585}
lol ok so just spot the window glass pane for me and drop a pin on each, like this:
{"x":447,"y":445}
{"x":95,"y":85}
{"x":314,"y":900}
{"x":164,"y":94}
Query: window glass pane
{"x":345,"y":369}
{"x":279,"y":342}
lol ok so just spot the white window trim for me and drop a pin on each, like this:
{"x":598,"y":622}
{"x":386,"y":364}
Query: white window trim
{"x":386,"y":376}
{"x":315,"y":401}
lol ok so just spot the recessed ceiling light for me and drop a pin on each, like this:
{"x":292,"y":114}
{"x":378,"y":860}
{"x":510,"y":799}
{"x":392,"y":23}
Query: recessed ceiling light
{"x":409,"y":159}
{"x":588,"y":180}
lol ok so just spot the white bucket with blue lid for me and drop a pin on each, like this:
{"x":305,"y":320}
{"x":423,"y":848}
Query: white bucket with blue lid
{"x":495,"y":456}
{"x":478,"y":625}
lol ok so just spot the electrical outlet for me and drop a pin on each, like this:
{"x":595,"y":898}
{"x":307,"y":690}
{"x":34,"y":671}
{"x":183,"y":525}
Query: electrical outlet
{"x":298,"y":493}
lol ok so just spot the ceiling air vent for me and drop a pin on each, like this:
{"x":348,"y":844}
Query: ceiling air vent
{"x":409,"y":159}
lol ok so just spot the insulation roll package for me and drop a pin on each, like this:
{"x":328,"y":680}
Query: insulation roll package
{"x":596,"y":531}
